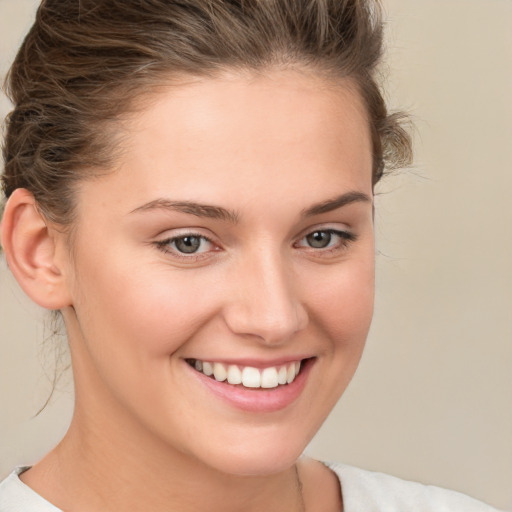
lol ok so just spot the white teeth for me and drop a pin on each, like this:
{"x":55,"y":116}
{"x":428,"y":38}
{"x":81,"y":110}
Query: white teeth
{"x":269,"y":378}
{"x":251,"y":377}
{"x":219,"y":372}
{"x":248,"y":376}
{"x":207,"y":369}
{"x":281,"y":375}
{"x":290,"y":373}
{"x":234,"y":374}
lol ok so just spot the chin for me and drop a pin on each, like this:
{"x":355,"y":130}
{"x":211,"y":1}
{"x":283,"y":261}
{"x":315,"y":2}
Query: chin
{"x":259,"y":456}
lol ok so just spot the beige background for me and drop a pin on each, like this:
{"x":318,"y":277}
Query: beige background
{"x":432,"y":400}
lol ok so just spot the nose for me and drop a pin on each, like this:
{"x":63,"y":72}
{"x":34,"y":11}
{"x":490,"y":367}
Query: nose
{"x":264,"y":302}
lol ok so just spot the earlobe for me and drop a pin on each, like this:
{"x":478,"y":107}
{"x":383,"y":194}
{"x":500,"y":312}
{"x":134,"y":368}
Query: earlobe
{"x":31,"y":252}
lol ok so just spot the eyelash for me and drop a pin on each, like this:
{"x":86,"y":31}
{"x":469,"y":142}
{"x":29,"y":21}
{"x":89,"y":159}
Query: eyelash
{"x":345,"y":239}
{"x":164,"y":246}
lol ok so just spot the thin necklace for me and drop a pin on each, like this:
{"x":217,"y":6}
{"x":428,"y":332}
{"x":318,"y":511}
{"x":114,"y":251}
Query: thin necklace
{"x":300,"y":488}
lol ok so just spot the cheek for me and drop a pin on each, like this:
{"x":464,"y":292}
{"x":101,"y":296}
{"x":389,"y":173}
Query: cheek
{"x":343,"y":303}
{"x":146,"y":309}
{"x":131,"y":322}
{"x":342,"y":310}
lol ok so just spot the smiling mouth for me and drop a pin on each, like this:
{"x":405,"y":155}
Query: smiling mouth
{"x":248,"y":376}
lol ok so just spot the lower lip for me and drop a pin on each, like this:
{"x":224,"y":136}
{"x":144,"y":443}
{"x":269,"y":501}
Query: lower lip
{"x":259,"y":399}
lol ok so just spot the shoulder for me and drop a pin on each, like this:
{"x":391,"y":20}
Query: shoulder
{"x":15,"y":496}
{"x":378,"y":492}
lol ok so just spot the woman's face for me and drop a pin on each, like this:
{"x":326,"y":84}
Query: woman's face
{"x":236,"y":236}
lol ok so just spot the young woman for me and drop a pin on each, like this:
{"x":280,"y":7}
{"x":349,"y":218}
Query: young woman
{"x":191,"y":185}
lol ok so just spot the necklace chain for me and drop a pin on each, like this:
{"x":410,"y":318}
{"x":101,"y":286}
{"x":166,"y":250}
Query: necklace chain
{"x":300,"y":488}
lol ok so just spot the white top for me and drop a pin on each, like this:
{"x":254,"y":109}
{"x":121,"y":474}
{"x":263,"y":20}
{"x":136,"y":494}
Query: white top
{"x":363,"y":491}
{"x":15,"y":496}
{"x":367,"y":491}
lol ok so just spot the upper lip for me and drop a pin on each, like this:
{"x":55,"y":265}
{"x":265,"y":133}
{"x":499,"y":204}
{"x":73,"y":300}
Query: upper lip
{"x":254,"y":362}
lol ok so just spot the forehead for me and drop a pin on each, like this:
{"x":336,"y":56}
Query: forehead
{"x":238,"y":133}
{"x":288,"y":105}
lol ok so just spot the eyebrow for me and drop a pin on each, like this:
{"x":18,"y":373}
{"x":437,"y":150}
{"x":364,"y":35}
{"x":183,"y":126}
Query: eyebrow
{"x":337,"y":202}
{"x":220,"y":213}
{"x":192,"y":208}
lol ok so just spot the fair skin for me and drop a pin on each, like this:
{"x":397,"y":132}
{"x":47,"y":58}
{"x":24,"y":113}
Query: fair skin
{"x":281,"y":271}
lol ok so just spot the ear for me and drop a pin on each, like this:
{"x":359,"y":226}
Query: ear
{"x":32,"y":252}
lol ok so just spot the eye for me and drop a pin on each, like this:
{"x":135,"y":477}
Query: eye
{"x":319,"y":239}
{"x":189,"y":243}
{"x":327,"y":239}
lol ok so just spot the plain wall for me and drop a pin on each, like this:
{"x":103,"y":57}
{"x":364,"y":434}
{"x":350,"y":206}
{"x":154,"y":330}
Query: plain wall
{"x":432,"y":399}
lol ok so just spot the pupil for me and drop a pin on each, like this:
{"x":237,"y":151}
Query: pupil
{"x":319,"y":239}
{"x":188,"y":244}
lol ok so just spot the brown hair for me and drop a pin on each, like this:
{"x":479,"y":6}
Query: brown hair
{"x":84,"y":61}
